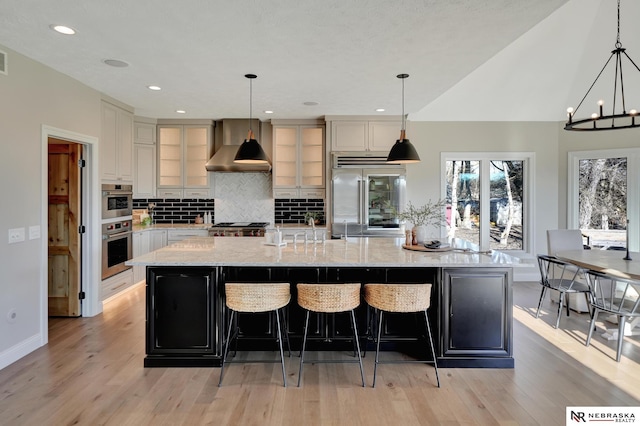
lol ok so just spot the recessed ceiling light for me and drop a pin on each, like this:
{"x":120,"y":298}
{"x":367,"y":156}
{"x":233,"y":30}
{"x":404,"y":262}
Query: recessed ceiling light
{"x":181,"y":111}
{"x":379,"y":109}
{"x":310,"y":103}
{"x":116,"y":63}
{"x":154,"y":87}
{"x":63,"y":29}
{"x":268,"y":112}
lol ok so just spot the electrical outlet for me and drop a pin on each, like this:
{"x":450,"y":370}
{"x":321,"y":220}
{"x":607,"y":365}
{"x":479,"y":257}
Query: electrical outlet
{"x":16,"y":235}
{"x":34,"y":232}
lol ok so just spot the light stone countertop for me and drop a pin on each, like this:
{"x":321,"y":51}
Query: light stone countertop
{"x":141,"y":228}
{"x":357,"y":252}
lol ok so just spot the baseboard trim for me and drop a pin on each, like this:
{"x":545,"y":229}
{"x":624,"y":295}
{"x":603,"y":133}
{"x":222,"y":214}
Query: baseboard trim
{"x":20,"y":350}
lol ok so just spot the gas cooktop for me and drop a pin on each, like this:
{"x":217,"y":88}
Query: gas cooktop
{"x":240,"y":225}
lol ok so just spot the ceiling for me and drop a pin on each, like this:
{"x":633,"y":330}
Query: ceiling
{"x":467,"y":59}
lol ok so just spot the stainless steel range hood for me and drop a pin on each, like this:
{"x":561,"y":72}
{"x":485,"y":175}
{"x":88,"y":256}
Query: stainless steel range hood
{"x":233,"y":133}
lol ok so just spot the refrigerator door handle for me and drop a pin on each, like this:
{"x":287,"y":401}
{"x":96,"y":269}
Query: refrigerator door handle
{"x":360,"y":202}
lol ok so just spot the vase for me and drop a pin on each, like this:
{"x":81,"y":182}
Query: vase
{"x":421,"y":234}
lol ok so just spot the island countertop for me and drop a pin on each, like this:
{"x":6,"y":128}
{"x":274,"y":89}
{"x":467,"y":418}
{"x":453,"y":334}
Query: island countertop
{"x":356,"y":252}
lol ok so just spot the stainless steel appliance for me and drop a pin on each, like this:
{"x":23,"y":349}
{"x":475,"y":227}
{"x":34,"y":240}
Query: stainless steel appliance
{"x":117,"y":201}
{"x":116,"y":247}
{"x":363,"y":199}
{"x":238,"y":229}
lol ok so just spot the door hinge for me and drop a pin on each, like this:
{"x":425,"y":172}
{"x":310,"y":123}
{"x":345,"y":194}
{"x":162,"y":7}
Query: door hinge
{"x":81,"y":229}
{"x":81,"y":295}
{"x":81,"y":163}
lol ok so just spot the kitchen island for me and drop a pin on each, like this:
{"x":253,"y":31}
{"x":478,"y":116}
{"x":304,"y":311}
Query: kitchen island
{"x":471,"y":309}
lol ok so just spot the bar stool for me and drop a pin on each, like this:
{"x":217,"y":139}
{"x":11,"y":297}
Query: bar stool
{"x":255,"y":297}
{"x":330,"y":298}
{"x":400,"y":298}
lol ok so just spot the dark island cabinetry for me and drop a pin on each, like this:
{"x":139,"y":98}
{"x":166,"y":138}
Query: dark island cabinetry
{"x":477,"y":317}
{"x":471,"y":313}
{"x":182,"y":311}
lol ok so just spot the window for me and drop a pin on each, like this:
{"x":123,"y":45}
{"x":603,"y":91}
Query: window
{"x":601,"y":195}
{"x":487,"y":199}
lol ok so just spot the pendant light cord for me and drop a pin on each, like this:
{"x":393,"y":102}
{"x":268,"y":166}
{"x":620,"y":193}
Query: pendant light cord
{"x":250,"y":103}
{"x":618,"y":44}
{"x":403,"y":124}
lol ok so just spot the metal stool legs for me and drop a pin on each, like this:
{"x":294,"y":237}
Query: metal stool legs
{"x":225,"y":352}
{"x":377,"y":360}
{"x":355,"y":338}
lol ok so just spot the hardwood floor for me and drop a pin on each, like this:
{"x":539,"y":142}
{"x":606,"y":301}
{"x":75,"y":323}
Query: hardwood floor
{"x":91,"y":373}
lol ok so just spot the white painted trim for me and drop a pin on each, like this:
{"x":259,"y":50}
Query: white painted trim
{"x":24,"y":348}
{"x":633,"y":187}
{"x":529,"y":159}
{"x":92,"y":243}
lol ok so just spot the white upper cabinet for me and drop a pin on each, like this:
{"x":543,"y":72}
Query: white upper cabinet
{"x":144,"y":159}
{"x":183,"y":151}
{"x":116,"y":144}
{"x":298,"y":160}
{"x":363,"y":135}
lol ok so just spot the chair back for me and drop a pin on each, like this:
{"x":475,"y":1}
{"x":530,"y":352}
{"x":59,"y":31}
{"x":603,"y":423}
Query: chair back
{"x":618,"y":296}
{"x":563,"y":240}
{"x":557,"y":274}
{"x":257,"y":297}
{"x":329,"y":298}
{"x":398,"y":297}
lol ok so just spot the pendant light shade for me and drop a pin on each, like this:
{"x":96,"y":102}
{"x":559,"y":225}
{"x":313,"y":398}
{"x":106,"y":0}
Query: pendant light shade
{"x":250,"y":152}
{"x":403,"y":151}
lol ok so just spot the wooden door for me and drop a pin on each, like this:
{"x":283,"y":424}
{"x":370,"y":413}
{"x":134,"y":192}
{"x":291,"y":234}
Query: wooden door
{"x":64,"y":251}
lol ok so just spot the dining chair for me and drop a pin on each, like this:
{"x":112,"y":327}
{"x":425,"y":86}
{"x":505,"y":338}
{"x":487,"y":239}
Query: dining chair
{"x":563,"y":240}
{"x":613,"y":295}
{"x":560,"y":276}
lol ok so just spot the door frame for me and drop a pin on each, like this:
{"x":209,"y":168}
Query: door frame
{"x":91,"y":242}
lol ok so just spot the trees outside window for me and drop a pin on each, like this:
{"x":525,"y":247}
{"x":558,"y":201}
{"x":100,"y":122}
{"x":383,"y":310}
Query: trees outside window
{"x":486,"y":196}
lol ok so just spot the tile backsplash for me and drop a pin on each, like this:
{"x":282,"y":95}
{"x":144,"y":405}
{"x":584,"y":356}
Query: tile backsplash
{"x":175,"y":210}
{"x":292,"y":210}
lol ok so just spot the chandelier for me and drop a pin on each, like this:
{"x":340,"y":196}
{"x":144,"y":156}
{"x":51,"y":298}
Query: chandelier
{"x":601,"y":120}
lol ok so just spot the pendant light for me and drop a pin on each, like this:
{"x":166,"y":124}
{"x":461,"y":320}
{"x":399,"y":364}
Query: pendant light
{"x":403,"y":151}
{"x":250,"y":152}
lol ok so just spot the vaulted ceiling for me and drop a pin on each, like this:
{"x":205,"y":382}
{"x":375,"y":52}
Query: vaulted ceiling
{"x":467,"y":59}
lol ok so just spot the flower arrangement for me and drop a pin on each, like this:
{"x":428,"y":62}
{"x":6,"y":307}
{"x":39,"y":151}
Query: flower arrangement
{"x":431,"y":213}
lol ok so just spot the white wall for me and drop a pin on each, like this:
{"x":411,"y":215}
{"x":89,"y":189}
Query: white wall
{"x":541,"y":138}
{"x":31,"y":96}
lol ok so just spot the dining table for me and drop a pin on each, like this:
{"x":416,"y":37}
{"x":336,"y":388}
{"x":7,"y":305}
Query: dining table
{"x":613,"y":263}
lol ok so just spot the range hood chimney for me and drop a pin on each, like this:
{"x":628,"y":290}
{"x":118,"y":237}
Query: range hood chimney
{"x":234,"y":132}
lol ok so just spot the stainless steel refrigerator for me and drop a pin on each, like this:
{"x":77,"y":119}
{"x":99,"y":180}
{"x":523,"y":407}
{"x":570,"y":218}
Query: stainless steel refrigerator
{"x":363,"y":200}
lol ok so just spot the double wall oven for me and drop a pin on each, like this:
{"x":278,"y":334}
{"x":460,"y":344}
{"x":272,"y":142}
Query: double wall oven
{"x":117,"y":205}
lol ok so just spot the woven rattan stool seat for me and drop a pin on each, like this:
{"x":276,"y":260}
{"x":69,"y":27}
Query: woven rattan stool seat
{"x":400,"y":298}
{"x":329,"y":297}
{"x":257,"y":297}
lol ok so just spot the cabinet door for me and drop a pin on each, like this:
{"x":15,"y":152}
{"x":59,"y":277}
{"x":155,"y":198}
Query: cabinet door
{"x":144,"y":173}
{"x":181,"y":310}
{"x":285,"y":167}
{"x":144,"y":133}
{"x":170,"y":156}
{"x":349,"y":135}
{"x":125,"y":146}
{"x":108,"y":153}
{"x":476,"y":312}
{"x":157,"y":239}
{"x":196,"y":155}
{"x":383,"y":134}
{"x":140,"y":245}
{"x":311,"y":157}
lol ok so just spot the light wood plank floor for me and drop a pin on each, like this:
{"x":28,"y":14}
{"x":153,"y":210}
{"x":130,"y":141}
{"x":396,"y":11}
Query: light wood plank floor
{"x":91,"y":373}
